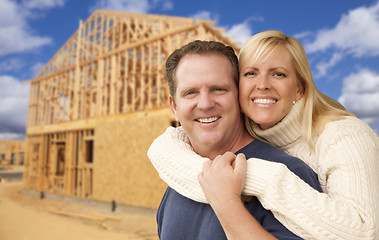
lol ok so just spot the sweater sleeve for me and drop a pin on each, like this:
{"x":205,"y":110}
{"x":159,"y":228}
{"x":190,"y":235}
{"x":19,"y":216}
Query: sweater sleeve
{"x":349,"y":210}
{"x":177,"y":164}
{"x":349,"y":166}
{"x":348,"y":163}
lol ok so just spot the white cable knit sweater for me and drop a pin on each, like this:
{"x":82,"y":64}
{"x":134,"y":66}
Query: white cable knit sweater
{"x":346,"y":159}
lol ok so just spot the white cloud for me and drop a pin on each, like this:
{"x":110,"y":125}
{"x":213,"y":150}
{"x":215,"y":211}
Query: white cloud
{"x":360,"y":94}
{"x":167,"y":5}
{"x":12,"y":136}
{"x":205,"y":15}
{"x":42,"y":4}
{"x":15,"y":34}
{"x":36,"y":68}
{"x":323,"y":67}
{"x":140,"y":6}
{"x":13,"y":106}
{"x":304,"y":34}
{"x":241,"y":32}
{"x":356,"y":33}
{"x":11,"y":64}
{"x":364,"y":81}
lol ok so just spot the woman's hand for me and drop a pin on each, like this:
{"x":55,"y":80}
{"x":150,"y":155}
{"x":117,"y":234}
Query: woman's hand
{"x":223,"y":179}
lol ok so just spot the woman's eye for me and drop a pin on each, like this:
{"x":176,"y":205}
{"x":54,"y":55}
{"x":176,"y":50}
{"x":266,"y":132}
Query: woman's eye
{"x":279,"y":74}
{"x":249,"y":74}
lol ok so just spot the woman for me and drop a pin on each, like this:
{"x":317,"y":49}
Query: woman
{"x":283,"y":107}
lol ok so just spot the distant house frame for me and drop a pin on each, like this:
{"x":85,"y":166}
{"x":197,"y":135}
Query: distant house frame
{"x":12,"y":152}
{"x":97,"y":105}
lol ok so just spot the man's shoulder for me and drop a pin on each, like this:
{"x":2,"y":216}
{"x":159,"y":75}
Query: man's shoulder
{"x":265,"y":151}
{"x":260,"y":149}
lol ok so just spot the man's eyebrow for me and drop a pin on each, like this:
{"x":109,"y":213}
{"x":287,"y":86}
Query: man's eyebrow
{"x":221,"y":85}
{"x":186,"y":89}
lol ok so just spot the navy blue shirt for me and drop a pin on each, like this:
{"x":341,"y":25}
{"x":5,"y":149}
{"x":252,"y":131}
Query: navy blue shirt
{"x":181,"y":218}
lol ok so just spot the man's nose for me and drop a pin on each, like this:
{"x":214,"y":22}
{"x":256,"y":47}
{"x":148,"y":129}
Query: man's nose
{"x":205,"y":101}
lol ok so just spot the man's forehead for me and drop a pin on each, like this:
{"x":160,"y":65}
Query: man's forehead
{"x":190,"y":61}
{"x":198,"y":70}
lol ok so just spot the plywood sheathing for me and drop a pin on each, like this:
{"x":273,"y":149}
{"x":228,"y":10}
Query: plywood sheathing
{"x":123,"y":172}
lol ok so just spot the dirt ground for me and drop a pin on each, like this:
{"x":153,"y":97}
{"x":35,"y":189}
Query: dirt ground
{"x":25,"y":216}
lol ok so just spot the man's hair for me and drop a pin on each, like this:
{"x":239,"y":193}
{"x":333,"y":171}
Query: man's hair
{"x":201,"y":48}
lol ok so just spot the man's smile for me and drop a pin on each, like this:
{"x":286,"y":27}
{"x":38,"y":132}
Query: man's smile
{"x":207,"y":120}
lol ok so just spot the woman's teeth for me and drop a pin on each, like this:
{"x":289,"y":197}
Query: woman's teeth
{"x":264,"y":101}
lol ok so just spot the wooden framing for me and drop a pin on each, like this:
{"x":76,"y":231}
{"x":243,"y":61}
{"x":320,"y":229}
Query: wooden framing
{"x":109,"y":73}
{"x":113,"y":64}
{"x":12,"y":152}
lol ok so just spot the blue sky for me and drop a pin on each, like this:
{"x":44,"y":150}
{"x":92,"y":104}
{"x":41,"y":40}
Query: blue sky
{"x":341,"y":38}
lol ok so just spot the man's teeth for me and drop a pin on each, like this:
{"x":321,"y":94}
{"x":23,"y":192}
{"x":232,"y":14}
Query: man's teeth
{"x":207,"y":120}
{"x":264,"y":101}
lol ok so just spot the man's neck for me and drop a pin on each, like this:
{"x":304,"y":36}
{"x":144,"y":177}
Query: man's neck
{"x":242,"y":139}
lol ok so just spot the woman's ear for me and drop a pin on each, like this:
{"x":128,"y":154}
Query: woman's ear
{"x":299,"y":92}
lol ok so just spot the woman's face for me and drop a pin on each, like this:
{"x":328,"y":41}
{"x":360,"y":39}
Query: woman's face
{"x":267,"y":89}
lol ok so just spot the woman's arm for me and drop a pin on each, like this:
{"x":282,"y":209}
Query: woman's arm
{"x":348,"y":167}
{"x":177,"y":164}
{"x":348,"y":211}
{"x":222,"y":181}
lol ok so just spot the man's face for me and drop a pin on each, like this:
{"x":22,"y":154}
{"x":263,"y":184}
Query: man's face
{"x":206,"y":102}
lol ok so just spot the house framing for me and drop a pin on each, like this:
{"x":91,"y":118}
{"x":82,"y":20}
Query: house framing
{"x":97,"y":105}
{"x":11,"y":152}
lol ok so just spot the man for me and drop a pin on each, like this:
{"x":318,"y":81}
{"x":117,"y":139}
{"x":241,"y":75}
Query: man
{"x":203,"y":82}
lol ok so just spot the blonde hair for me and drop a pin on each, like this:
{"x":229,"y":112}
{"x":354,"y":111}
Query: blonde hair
{"x":318,"y":109}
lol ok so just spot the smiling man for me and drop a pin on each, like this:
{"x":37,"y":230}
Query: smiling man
{"x":206,"y":104}
{"x":203,"y":82}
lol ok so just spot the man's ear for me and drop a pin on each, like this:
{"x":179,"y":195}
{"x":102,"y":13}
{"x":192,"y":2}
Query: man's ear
{"x":173,"y":108}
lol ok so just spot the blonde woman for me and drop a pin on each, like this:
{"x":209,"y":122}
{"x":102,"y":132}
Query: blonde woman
{"x":284,"y":108}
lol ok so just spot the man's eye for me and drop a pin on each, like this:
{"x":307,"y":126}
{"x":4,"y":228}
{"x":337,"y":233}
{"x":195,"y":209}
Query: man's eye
{"x":220,"y":89}
{"x":188,"y":93}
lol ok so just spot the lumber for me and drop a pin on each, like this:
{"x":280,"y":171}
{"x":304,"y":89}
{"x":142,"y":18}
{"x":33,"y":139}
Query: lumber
{"x":93,"y":216}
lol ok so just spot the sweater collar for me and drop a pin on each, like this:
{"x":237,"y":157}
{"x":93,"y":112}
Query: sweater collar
{"x":287,"y":131}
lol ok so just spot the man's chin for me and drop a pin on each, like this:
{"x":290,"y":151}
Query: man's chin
{"x":209,"y":140}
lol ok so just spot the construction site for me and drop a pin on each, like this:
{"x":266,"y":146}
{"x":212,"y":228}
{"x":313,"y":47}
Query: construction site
{"x":12,"y":152}
{"x":97,"y":105}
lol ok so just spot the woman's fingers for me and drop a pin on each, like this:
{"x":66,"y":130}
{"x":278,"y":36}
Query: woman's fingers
{"x":240,"y":165}
{"x":226,"y":159}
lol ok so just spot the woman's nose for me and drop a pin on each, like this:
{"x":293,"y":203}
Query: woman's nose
{"x":263,"y":82}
